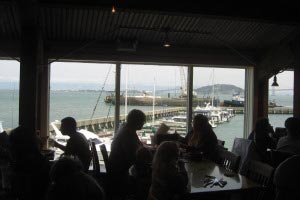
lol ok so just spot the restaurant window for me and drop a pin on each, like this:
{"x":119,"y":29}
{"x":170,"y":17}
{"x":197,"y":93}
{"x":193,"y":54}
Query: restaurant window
{"x":79,"y":90}
{"x":158,"y":91}
{"x":281,"y":98}
{"x":9,"y":90}
{"x":219,"y":93}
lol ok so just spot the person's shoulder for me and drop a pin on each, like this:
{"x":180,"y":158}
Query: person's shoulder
{"x":79,"y":136}
{"x":283,"y":141}
{"x":283,"y":138}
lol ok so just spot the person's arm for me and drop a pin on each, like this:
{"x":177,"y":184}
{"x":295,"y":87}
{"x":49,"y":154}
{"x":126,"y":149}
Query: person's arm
{"x":131,"y":145}
{"x":60,"y":146}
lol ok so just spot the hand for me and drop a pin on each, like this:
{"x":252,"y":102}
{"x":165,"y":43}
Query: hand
{"x":52,"y":142}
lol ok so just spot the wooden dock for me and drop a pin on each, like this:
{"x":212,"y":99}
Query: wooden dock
{"x":97,"y":125}
{"x":275,"y":110}
{"x":108,"y":123}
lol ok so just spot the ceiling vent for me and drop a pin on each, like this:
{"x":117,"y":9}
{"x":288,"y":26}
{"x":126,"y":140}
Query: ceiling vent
{"x":127,"y":45}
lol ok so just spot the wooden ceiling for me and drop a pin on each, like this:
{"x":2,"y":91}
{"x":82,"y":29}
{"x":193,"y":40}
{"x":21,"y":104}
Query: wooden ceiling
{"x":211,"y":34}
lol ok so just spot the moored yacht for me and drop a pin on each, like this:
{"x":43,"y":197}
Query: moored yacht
{"x":181,"y":120}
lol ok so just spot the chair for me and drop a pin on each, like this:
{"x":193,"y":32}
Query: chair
{"x":286,"y":179}
{"x":221,"y":142}
{"x":228,"y":160}
{"x":95,"y":159}
{"x":261,"y":173}
{"x":278,"y":157}
{"x":105,"y":156}
{"x":246,"y":150}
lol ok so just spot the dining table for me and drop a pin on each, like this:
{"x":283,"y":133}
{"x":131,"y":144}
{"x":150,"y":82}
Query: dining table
{"x":201,"y":171}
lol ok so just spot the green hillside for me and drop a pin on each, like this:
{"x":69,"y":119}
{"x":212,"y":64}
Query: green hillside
{"x":220,"y":89}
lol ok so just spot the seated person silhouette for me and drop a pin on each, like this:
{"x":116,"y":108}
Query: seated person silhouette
{"x":69,"y":181}
{"x":141,"y":172}
{"x":163,"y":135}
{"x":286,"y":179}
{"x":201,"y":138}
{"x":77,"y":145}
{"x":4,"y":149}
{"x":262,"y":138}
{"x":291,"y":142}
{"x":123,"y":153}
{"x":169,"y":177}
{"x":30,"y":167}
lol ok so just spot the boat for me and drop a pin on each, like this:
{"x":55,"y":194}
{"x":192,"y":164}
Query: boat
{"x":146,"y":100}
{"x":238,"y":101}
{"x":273,"y":104}
{"x":180,"y":121}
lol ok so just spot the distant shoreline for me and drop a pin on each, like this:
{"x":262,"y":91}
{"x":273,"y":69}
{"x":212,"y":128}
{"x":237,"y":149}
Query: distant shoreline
{"x":278,"y":93}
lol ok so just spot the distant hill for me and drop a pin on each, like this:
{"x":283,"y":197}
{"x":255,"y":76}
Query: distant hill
{"x":220,"y":89}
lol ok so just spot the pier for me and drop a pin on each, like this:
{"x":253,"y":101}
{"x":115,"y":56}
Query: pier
{"x":98,"y":124}
{"x":275,"y":110}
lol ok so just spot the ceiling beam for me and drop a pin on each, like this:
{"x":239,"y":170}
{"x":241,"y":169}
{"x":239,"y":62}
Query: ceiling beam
{"x":282,"y":13}
{"x":147,"y":54}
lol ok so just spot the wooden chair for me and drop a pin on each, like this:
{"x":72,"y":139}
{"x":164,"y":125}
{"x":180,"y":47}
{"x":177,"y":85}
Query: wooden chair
{"x":261,"y":173}
{"x":228,"y":160}
{"x":221,"y":142}
{"x":105,"y":156}
{"x":95,"y":160}
{"x":246,"y":150}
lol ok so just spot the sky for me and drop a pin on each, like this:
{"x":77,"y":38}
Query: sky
{"x":150,"y":75}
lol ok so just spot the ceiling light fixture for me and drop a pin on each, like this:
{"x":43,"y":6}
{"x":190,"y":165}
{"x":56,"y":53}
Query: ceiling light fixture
{"x":166,"y":42}
{"x":113,"y":9}
{"x":275,"y":84}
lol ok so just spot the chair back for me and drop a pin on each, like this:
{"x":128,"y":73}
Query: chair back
{"x":228,"y":160}
{"x":221,"y":142}
{"x":286,"y":179}
{"x":278,"y":156}
{"x":105,"y":156}
{"x":246,"y":150}
{"x":95,"y":160}
{"x":261,"y":173}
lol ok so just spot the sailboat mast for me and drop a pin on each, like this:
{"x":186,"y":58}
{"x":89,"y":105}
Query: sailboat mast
{"x":213,"y":87}
{"x":153,"y":106}
{"x":126,"y":88}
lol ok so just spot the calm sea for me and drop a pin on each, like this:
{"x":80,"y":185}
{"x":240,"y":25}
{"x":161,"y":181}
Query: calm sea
{"x":80,"y":104}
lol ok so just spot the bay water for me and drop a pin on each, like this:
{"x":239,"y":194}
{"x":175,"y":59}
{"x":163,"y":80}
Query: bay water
{"x":80,"y":105}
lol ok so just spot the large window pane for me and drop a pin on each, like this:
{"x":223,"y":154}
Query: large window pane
{"x":78,"y":90}
{"x":219,"y":92}
{"x":281,"y":98}
{"x":9,"y":90}
{"x":151,"y":88}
